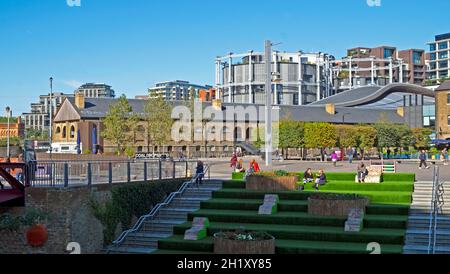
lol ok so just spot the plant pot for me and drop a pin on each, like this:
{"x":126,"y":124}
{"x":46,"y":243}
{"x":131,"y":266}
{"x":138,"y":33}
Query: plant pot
{"x":37,"y":236}
{"x":268,"y":183}
{"x":335,"y":207}
{"x":228,"y":246}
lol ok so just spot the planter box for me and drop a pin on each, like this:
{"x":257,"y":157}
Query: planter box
{"x":265,"y":183}
{"x":227,"y":246}
{"x":335,"y":207}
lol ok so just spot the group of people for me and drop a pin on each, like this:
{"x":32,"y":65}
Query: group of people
{"x":308,"y":177}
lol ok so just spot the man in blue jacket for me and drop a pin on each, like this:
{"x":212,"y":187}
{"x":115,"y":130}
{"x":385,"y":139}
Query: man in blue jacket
{"x":423,"y":160}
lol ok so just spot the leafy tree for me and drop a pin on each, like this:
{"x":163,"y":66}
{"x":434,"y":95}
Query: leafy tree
{"x":291,"y":135}
{"x":421,"y":137}
{"x":117,"y":124}
{"x":158,"y":118}
{"x":392,"y":135}
{"x":320,"y":135}
{"x":366,"y":136}
{"x":347,"y":136}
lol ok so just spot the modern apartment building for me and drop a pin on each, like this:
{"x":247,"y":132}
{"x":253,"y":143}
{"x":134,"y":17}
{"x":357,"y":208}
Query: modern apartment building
{"x":177,"y":90}
{"x":298,"y":78}
{"x":39,"y":119}
{"x":439,"y":54}
{"x":93,"y":90}
{"x":379,"y":66}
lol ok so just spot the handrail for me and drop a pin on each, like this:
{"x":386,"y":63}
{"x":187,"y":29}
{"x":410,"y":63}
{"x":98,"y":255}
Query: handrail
{"x":156,"y":209}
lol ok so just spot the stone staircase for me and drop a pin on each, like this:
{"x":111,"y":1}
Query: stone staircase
{"x":417,"y":234}
{"x":146,"y":239}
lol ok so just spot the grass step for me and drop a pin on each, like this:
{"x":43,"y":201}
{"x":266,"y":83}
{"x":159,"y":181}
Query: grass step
{"x":313,"y":233}
{"x":297,"y":218}
{"x":282,"y":246}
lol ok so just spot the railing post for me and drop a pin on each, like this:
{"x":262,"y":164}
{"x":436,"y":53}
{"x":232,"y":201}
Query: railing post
{"x":110,"y":173}
{"x":128,"y":172}
{"x":160,"y":169}
{"x":187,"y":167}
{"x":145,"y":172}
{"x":89,"y":174}
{"x":66,"y":174}
{"x":174,"y":171}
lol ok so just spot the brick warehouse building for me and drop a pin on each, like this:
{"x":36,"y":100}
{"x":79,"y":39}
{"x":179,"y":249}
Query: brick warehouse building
{"x":443,"y":111}
{"x":15,"y":129}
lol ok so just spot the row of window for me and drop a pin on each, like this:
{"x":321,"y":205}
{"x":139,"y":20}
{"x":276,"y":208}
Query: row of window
{"x":441,"y":45}
{"x":63,"y":133}
{"x":442,"y":55}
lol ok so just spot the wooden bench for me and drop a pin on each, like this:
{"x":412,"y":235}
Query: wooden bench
{"x":374,"y":175}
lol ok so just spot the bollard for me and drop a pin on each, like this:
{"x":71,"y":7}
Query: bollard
{"x":110,"y":173}
{"x":66,"y":174}
{"x":89,"y":174}
{"x":145,"y":172}
{"x":160,"y":169}
{"x":128,"y":172}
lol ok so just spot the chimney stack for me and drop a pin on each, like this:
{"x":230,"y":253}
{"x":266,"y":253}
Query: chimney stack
{"x":79,"y":100}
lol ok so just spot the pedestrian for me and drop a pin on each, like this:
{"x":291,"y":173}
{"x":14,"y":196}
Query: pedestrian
{"x":308,"y":177}
{"x":362,"y":172}
{"x":199,"y":173}
{"x":334,"y":158}
{"x":423,"y":159}
{"x":20,"y":174}
{"x":234,"y":160}
{"x":255,"y":166}
{"x":445,"y":156}
{"x":389,"y":153}
{"x":321,"y":179}
{"x":350,"y":154}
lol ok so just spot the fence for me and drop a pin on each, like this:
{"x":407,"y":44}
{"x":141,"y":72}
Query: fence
{"x":79,"y":173}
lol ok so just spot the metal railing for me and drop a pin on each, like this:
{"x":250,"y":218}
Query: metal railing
{"x":157,"y":208}
{"x":87,"y":173}
{"x":437,"y":203}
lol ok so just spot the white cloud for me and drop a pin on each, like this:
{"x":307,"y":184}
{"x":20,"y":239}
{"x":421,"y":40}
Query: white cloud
{"x":72,"y":83}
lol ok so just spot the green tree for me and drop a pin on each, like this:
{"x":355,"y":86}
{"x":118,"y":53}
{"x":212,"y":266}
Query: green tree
{"x":291,"y":135}
{"x":347,"y":136}
{"x":117,"y":124}
{"x":158,"y":118}
{"x":320,"y":135}
{"x":366,"y":136}
{"x":392,"y":135}
{"x":421,"y":137}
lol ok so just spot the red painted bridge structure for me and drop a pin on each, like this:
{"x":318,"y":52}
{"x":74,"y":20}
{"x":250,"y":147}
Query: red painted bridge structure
{"x":13,"y":194}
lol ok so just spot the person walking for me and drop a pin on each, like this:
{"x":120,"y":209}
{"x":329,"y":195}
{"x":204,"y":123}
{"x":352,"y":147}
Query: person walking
{"x":445,"y":156}
{"x":334,"y":158}
{"x":199,"y":173}
{"x":423,"y":159}
{"x":350,"y":154}
{"x":389,"y":153}
{"x":234,"y":160}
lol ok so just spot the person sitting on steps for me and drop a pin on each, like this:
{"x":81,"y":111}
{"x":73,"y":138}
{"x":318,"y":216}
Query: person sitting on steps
{"x":308,"y":177}
{"x":362,"y":172}
{"x":321,"y":179}
{"x":240,"y":166}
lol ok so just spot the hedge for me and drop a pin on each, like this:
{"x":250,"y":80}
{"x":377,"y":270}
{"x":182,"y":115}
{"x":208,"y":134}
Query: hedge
{"x":350,"y":176}
{"x":130,"y":200}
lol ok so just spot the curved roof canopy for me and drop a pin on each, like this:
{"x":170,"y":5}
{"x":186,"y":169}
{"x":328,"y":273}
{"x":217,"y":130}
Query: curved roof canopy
{"x":372,"y":94}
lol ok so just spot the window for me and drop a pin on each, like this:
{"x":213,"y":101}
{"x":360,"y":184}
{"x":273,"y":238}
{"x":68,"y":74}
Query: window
{"x":448,"y":98}
{"x":433,"y":66}
{"x":433,"y":56}
{"x":388,"y":53}
{"x":443,"y":55}
{"x":433,"y":47}
{"x":58,"y":130}
{"x":72,"y":132}
{"x":443,"y":45}
{"x":448,"y":120}
{"x":443,"y":64}
{"x":64,"y":132}
{"x":417,"y":58}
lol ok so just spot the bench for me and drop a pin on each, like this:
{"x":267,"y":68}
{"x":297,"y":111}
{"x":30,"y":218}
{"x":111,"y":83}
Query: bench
{"x":374,"y":175}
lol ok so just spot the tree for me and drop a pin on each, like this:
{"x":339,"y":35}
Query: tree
{"x":117,"y":125}
{"x":392,"y":135}
{"x":347,"y":136}
{"x":291,"y":135}
{"x":366,"y":136}
{"x":158,"y":118}
{"x":320,"y":135}
{"x":421,"y":137}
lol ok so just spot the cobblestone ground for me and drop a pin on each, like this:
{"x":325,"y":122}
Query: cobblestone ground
{"x":220,"y":168}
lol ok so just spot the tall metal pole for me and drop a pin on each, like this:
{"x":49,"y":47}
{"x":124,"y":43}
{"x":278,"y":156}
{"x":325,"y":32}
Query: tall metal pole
{"x":268,"y":107}
{"x":8,"y":115}
{"x":51,"y":116}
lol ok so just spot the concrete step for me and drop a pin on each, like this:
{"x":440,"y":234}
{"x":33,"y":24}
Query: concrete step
{"x":131,"y":250}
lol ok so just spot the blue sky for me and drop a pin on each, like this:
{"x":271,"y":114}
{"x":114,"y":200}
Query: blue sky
{"x":132,"y":44}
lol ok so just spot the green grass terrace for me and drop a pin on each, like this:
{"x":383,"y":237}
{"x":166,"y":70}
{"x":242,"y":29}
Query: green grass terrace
{"x":298,"y":232}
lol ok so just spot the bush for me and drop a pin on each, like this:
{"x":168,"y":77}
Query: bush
{"x":130,"y":200}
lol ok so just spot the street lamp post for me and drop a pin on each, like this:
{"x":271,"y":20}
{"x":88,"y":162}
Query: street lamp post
{"x":8,"y":134}
{"x":51,"y":117}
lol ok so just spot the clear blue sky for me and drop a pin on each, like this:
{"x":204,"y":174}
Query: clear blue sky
{"x":132,"y":44}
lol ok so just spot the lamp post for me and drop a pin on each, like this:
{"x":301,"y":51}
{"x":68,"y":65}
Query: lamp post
{"x":8,"y":135}
{"x":51,"y":116}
